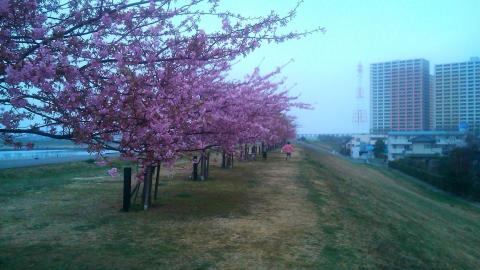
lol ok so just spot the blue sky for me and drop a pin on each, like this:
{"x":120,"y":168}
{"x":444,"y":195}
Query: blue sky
{"x":366,"y":31}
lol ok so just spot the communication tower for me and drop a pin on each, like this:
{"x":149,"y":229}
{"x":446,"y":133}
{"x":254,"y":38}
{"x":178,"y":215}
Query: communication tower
{"x":360,"y":112}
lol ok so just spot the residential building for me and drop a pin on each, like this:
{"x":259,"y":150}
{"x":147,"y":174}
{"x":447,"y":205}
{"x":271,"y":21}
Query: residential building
{"x":399,"y":96}
{"x":423,"y":144}
{"x":431,"y":101}
{"x":362,"y":145}
{"x":457,"y":95}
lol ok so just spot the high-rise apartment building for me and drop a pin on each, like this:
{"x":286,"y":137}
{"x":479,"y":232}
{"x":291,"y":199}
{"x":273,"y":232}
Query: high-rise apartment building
{"x":399,"y":95}
{"x":457,"y":95}
{"x":431,"y":101}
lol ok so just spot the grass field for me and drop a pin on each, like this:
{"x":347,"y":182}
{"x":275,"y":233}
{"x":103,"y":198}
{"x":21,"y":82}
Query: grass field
{"x":45,"y":143}
{"x":314,"y":212}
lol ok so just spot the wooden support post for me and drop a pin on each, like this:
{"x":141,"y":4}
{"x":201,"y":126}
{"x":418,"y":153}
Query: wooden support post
{"x":224,"y":161}
{"x":150,"y":183}
{"x":143,"y":187}
{"x":135,"y":191}
{"x":157,"y":180}
{"x":127,"y":188}
{"x":245,"y":155}
{"x":195,"y":168}
{"x":227,"y":161}
{"x":264,"y":151}
{"x":208,"y":166}
{"x":202,"y":166}
{"x":146,"y":187}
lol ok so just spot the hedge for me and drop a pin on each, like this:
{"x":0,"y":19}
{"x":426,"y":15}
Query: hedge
{"x":435,"y":180}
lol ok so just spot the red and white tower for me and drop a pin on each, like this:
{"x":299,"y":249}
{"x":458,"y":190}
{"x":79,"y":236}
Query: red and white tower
{"x":360,"y":112}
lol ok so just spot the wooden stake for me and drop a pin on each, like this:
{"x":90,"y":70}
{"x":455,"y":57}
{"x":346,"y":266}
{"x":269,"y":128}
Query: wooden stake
{"x":246,"y":152}
{"x":150,"y":184}
{"x":127,"y":188}
{"x":208,"y":166}
{"x":195,"y":168}
{"x":202,"y":166}
{"x":224,"y":162}
{"x":157,"y":179}
{"x":146,"y":187}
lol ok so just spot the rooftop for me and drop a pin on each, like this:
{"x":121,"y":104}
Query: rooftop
{"x":397,"y":61}
{"x":472,"y":59}
{"x":425,"y":133}
{"x":422,"y":139}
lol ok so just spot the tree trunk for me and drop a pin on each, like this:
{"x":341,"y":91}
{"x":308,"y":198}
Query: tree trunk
{"x":224,"y":162}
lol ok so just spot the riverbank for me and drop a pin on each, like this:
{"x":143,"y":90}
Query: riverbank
{"x":28,"y":158}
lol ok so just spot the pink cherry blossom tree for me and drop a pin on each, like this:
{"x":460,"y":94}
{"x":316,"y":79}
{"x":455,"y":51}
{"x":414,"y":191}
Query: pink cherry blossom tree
{"x":140,"y":77}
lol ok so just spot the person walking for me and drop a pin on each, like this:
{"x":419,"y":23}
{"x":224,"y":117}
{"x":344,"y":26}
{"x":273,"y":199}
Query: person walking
{"x":288,"y":150}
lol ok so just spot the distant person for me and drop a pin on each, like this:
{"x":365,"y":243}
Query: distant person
{"x":288,"y":150}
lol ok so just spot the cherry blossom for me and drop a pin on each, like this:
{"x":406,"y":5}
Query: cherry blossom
{"x":139,"y":77}
{"x":113,"y":172}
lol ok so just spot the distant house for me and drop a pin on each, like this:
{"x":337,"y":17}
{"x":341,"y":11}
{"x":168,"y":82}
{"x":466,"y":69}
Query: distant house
{"x":423,"y":144}
{"x":362,"y":145}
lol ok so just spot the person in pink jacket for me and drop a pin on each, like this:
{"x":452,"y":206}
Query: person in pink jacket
{"x":288,"y":149}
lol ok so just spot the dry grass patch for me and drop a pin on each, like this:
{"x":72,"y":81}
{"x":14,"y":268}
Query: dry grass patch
{"x":253,"y":216}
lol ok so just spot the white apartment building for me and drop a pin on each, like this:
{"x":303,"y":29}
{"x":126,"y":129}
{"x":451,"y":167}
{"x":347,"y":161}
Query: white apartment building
{"x":457,"y":95}
{"x":431,"y":101}
{"x":423,"y":143}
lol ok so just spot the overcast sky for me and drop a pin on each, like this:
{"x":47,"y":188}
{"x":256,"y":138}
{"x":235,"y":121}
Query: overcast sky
{"x":367,"y":31}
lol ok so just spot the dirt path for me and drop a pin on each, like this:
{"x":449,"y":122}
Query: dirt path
{"x":275,"y":233}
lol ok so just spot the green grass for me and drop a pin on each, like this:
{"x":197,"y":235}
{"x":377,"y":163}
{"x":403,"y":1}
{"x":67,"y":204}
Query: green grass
{"x":316,"y":211}
{"x":45,"y":143}
{"x":377,"y":219}
{"x":17,"y":181}
{"x":67,"y":217}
